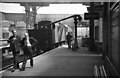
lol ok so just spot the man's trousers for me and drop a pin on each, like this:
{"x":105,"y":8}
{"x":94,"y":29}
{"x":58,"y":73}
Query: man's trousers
{"x":28,"y":52}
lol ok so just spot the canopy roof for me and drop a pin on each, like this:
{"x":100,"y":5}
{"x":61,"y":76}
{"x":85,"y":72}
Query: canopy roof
{"x":59,"y":1}
{"x":46,"y":2}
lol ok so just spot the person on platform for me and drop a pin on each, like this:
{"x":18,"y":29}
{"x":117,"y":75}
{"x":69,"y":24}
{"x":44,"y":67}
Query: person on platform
{"x":69,"y":39}
{"x":14,"y":41}
{"x":28,"y":44}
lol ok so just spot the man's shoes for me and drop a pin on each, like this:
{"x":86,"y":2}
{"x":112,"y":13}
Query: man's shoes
{"x":32,"y":65}
{"x":18,"y":67}
{"x":22,"y":69}
{"x":13,"y":70}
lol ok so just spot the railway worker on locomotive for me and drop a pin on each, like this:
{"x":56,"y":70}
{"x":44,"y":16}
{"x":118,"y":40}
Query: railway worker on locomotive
{"x":28,"y":44}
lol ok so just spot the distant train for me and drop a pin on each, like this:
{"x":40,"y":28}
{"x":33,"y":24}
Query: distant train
{"x":49,"y":35}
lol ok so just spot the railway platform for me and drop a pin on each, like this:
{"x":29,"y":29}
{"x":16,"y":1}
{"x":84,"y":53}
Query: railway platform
{"x":60,"y":61}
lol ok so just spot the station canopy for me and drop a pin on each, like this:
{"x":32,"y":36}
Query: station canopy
{"x":47,"y":2}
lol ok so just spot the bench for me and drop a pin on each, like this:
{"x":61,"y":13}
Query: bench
{"x":100,"y":72}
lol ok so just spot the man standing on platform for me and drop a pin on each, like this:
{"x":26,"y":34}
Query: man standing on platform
{"x":28,"y":44}
{"x":69,"y":39}
{"x":15,"y":48}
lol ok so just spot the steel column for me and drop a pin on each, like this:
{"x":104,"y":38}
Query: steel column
{"x":27,"y":10}
{"x":92,"y":41}
{"x":34,"y":12}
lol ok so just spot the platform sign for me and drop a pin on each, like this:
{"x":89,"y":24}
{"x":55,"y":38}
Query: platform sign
{"x":89,"y":16}
{"x":97,"y":8}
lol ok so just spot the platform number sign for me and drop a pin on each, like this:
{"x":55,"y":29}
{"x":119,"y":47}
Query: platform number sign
{"x":89,"y":16}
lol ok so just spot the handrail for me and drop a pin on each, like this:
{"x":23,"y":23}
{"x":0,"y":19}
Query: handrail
{"x":112,"y":66}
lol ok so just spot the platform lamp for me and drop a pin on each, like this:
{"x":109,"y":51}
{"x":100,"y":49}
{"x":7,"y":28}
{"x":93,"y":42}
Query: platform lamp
{"x":77,"y":18}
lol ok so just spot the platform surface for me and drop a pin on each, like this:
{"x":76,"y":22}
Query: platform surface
{"x":60,"y":62}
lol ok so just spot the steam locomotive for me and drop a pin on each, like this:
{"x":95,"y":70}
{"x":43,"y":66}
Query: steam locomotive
{"x":48,"y":35}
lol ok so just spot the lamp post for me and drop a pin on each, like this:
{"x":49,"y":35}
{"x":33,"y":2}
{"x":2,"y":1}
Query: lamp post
{"x":76,"y":19}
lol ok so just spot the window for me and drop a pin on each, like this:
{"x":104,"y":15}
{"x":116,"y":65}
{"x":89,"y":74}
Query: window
{"x":5,"y":35}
